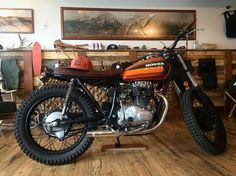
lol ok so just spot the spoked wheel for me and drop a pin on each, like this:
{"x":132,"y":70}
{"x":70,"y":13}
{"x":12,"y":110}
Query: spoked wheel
{"x":205,"y":126}
{"x":41,"y":133}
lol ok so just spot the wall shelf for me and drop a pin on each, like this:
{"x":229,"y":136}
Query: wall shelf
{"x":225,"y":64}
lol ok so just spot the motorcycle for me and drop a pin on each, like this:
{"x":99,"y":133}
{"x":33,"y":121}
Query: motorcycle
{"x":58,"y":122}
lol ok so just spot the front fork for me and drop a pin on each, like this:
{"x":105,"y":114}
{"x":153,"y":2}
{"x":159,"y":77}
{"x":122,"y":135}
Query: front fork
{"x":190,"y":78}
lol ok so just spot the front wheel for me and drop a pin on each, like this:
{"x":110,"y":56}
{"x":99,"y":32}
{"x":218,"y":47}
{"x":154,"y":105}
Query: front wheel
{"x":205,"y":126}
{"x":45,"y":142}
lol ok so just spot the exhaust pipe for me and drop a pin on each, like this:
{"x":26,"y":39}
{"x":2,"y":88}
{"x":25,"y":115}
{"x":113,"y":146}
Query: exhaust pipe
{"x":139,"y":131}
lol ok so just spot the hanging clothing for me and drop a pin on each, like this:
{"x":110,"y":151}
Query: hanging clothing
{"x":230,"y":21}
{"x":11,"y":74}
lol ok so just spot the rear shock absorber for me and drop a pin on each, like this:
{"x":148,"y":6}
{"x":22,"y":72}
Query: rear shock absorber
{"x":68,"y":94}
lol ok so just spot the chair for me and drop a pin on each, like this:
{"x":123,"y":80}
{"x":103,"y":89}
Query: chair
{"x":7,"y":108}
{"x":7,"y":111}
{"x":233,"y":101}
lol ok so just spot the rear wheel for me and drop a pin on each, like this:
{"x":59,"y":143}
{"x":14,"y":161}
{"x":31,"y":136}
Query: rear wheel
{"x":205,"y":126}
{"x":37,"y":130}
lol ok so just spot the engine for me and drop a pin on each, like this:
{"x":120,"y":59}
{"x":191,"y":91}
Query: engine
{"x":138,"y":112}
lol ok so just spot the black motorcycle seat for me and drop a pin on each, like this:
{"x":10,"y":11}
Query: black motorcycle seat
{"x":106,"y":74}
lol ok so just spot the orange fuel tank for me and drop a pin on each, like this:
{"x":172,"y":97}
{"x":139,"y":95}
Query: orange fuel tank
{"x":150,"y":69}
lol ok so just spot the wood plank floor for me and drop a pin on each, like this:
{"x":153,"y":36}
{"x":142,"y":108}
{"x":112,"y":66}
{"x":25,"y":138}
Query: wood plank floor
{"x":171,"y":151}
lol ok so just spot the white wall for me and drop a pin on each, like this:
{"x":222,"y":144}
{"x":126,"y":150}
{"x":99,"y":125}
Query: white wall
{"x":48,"y":13}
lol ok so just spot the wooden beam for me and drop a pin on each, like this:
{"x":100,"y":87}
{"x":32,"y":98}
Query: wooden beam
{"x":28,"y":73}
{"x":228,"y":76}
{"x":133,"y":55}
{"x":228,"y":65}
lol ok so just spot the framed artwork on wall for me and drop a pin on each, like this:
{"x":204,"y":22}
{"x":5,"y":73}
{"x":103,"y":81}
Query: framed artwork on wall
{"x":123,"y":24}
{"x":16,"y":20}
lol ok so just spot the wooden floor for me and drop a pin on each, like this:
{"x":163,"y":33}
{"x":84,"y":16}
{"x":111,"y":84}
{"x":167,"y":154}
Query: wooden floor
{"x":171,"y":151}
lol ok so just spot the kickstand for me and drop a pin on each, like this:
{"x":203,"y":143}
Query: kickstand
{"x":123,"y":147}
{"x":117,"y":144}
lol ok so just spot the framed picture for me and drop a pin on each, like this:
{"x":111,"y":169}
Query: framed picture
{"x":14,"y":20}
{"x":123,"y":24}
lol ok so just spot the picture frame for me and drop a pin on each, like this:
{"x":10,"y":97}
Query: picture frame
{"x":79,"y":23}
{"x":16,"y":20}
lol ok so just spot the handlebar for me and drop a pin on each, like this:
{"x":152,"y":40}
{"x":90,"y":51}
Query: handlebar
{"x":189,"y":26}
{"x":184,"y":32}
